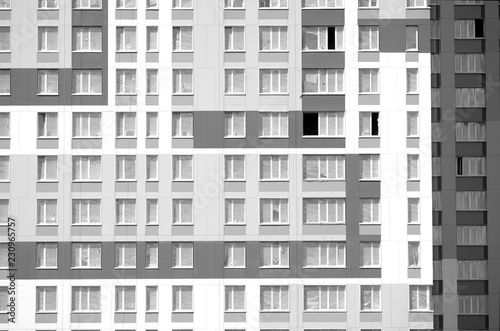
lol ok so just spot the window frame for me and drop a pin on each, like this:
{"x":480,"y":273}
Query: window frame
{"x":374,"y":290}
{"x":85,"y":30}
{"x":370,"y":6}
{"x":180,"y":3}
{"x":45,"y":246}
{"x":152,"y":202}
{"x":372,"y":72}
{"x":155,"y":246}
{"x":338,"y":29}
{"x":282,"y":303}
{"x":177,"y":249}
{"x":122,"y":203}
{"x":419,"y":289}
{"x":318,"y":159}
{"x":372,"y":159}
{"x":44,"y":290}
{"x":229,"y":290}
{"x":46,"y":116}
{"x":178,"y":117}
{"x":180,"y":33}
{"x":44,"y":31}
{"x":280,"y":32}
{"x":86,"y":159}
{"x":325,"y":73}
{"x":271,"y":73}
{"x":177,"y":163}
{"x":229,"y":174}
{"x":373,"y":246}
{"x":230,"y":202}
{"x":123,"y":77}
{"x":120,"y":251}
{"x":86,"y":291}
{"x":334,"y":247}
{"x":86,"y":245}
{"x":43,"y":202}
{"x":232,"y":121}
{"x":154,"y":159}
{"x":272,"y":8}
{"x":280,"y":221}
{"x":230,"y":87}
{"x":281,"y":159}
{"x":323,"y":7}
{"x":121,"y":292}
{"x":88,"y":73}
{"x":272,"y":245}
{"x":178,"y":290}
{"x":232,"y":37}
{"x":230,"y":249}
{"x":85,"y":203}
{"x":122,"y":32}
{"x":327,"y":289}
{"x":46,"y":7}
{"x":337,"y":202}
{"x":282,"y":116}
{"x":121,"y":167}
{"x":44,"y":177}
{"x":180,"y":201}
{"x":181,"y":72}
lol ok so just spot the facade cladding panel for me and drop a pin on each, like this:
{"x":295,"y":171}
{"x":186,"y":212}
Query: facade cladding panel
{"x":229,"y":165}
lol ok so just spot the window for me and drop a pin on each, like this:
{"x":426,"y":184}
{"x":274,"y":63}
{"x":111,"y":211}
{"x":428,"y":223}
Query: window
{"x":470,"y":97}
{"x":4,"y":81}
{"x":235,"y":81}
{"x":437,"y":268}
{"x":471,"y":235}
{"x":437,"y":239}
{"x":47,"y":39}
{"x":471,"y":166}
{"x":182,"y":211}
{"x":182,"y":298}
{"x":368,"y":81}
{"x":473,"y":304}
{"x":273,"y":38}
{"x":323,"y":81}
{"x":466,"y":29}
{"x":436,"y":166}
{"x":5,"y":124}
{"x":322,"y":3}
{"x":472,"y":269}
{"x":324,"y":254}
{"x":4,"y":251}
{"x":412,"y":124}
{"x":370,"y":297}
{"x":126,"y":81}
{"x":323,"y":38}
{"x":323,"y":167}
{"x":466,"y":63}
{"x":126,"y":39}
{"x":152,"y":81}
{"x":5,"y":4}
{"x":46,"y":211}
{"x":274,"y":211}
{"x":125,"y":255}
{"x":234,"y":124}
{"x":413,"y":254}
{"x":234,"y":167}
{"x":235,"y":211}
{"x":318,"y":211}
{"x":369,"y":167}
{"x":470,"y":131}
{"x":125,"y":167}
{"x":412,"y":81}
{"x":273,"y":3}
{"x":416,"y":3}
{"x":4,"y":39}
{"x":183,"y":81}
{"x":234,"y":38}
{"x":47,"y":168}
{"x":411,"y":37}
{"x":125,"y":211}
{"x":151,"y":211}
{"x":368,"y":38}
{"x":46,"y":299}
{"x":86,"y":211}
{"x":369,"y":210}
{"x":182,"y":125}
{"x":87,"y":39}
{"x":370,"y":254}
{"x":151,"y":255}
{"x":273,"y":81}
{"x":87,"y":81}
{"x":86,"y":298}
{"x":368,"y":124}
{"x":469,"y":2}
{"x":274,"y":255}
{"x":151,"y":125}
{"x":367,"y":3}
{"x":48,"y":4}
{"x":436,"y":132}
{"x":420,"y":297}
{"x":4,"y":168}
{"x":324,"y":298}
{"x":273,"y":167}
{"x":413,"y":210}
{"x":182,"y":255}
{"x":4,"y":211}
{"x":86,"y":125}
{"x":273,"y":298}
{"x":151,"y":167}
{"x":235,"y":298}
{"x":273,"y":124}
{"x":182,"y":167}
{"x":234,"y":4}
{"x":86,"y":255}
{"x":151,"y":298}
{"x":182,"y":4}
{"x":234,"y":255}
{"x":183,"y":38}
{"x":46,"y":255}
{"x":87,"y":4}
{"x":47,"y":125}
{"x":436,"y":200}
{"x":471,"y":200}
{"x":125,"y":298}
{"x":125,"y":4}
{"x":86,"y":168}
{"x":125,"y":124}
{"x":435,"y":63}
{"x":323,"y":124}
{"x":413,"y":167}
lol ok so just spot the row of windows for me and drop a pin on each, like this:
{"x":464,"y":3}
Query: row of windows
{"x":464,"y":29}
{"x":467,"y":269}
{"x":272,"y":298}
{"x":467,"y":235}
{"x":466,"y":166}
{"x":272,"y":255}
{"x":271,"y":38}
{"x":228,"y":4}
{"x":271,"y":167}
{"x":272,"y":211}
{"x":464,"y":63}
{"x":465,"y":200}
{"x":271,"y":81}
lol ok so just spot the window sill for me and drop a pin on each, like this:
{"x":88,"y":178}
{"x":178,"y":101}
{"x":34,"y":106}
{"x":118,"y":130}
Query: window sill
{"x":235,"y":137}
{"x":183,"y":180}
{"x":151,"y":268}
{"x":45,"y":9}
{"x":183,"y":51}
{"x":371,"y":223}
{"x":156,"y":180}
{"x":368,"y":137}
{"x":47,"y":312}
{"x":324,"y":267}
{"x":126,"y":180}
{"x":125,"y":224}
{"x":235,"y":180}
{"x":182,"y":137}
{"x":413,"y":50}
{"x":274,"y":137}
{"x":5,"y":51}
{"x":126,"y":94}
{"x":375,"y":50}
{"x":125,"y":312}
{"x":273,"y":51}
{"x":273,"y":8}
{"x":181,"y":8}
{"x":323,"y":50}
{"x":152,"y":137}
{"x":86,"y":268}
{"x":274,"y":224}
{"x":48,"y":51}
{"x":244,"y":267}
{"x":273,"y":94}
{"x":234,"y":51}
{"x":182,"y":94}
{"x":319,"y":311}
{"x":415,"y":180}
{"x":85,"y":311}
{"x":46,"y":225}
{"x":228,"y":224}
{"x":321,"y":93}
{"x":88,"y":137}
{"x":5,"y":94}
{"x":274,"y":267}
{"x":126,"y":137}
{"x":416,"y":268}
{"x":274,"y":311}
{"x":87,"y":181}
{"x":153,"y":224}
{"x":182,"y":224}
{"x":100,"y":8}
{"x":275,"y":180}
{"x":235,"y":94}
{"x":125,"y":268}
{"x":153,"y":8}
{"x":234,"y":8}
{"x":371,"y":311}
{"x":324,"y":223}
{"x":419,"y":7}
{"x":370,"y":267}
{"x":84,"y":94}
{"x":323,"y":137}
{"x":125,"y":52}
{"x":45,"y":137}
{"x":120,"y":8}
{"x":183,"y":268}
{"x":412,"y":93}
{"x":47,"y":181}
{"x":182,"y":311}
{"x":365,"y":8}
{"x":85,"y":225}
{"x":86,"y":51}
{"x":46,"y":268}
{"x":152,"y":94}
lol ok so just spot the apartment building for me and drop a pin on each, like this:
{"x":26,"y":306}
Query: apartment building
{"x":216,"y":164}
{"x":465,"y":75}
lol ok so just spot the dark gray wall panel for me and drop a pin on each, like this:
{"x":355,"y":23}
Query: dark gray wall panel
{"x":321,"y":17}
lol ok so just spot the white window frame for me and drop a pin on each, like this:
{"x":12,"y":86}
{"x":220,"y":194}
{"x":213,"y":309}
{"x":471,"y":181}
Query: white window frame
{"x":5,"y":124}
{"x":373,"y":73}
{"x":323,"y":206}
{"x":44,"y":5}
{"x":413,"y":206}
{"x":84,"y":294}
{"x":337,"y":292}
{"x":231,"y":250}
{"x":324,"y":161}
{"x":229,"y":37}
{"x":375,"y":292}
{"x":327,"y":119}
{"x":88,"y":160}
{"x":419,"y":290}
{"x":467,"y":130}
{"x":281,"y":250}
{"x":88,"y":117}
{"x":323,"y":4}
{"x":415,"y":4}
{"x":181,"y":4}
{"x":178,"y":203}
{"x":42,"y":205}
{"x":229,"y":167}
{"x":121,"y":167}
{"x":126,"y":4}
{"x":230,"y":119}
{"x":322,"y":76}
{"x":151,"y":247}
{"x":412,"y":117}
{"x":121,"y":36}
{"x":283,"y":206}
{"x":374,"y":160}
{"x":42,"y":173}
{"x":177,"y":168}
{"x":43,"y":124}
{"x":123,"y":120}
{"x":177,"y":303}
{"x":178,"y":251}
{"x":179,"y":122}
{"x":475,"y":302}
{"x":121,"y":261}
{"x":373,"y":32}
{"x":337,"y":248}
{"x":89,"y":75}
{"x":4,"y":211}
{"x":283,"y":303}
{"x":279,"y":116}
{"x":413,"y":160}
{"x":178,"y":88}
{"x":43,"y":81}
{"x":282,"y":32}
{"x":152,"y":160}
{"x":274,"y":74}
{"x":42,"y":251}
{"x":78,"y":205}
{"x":124,"y":78}
{"x":277,"y":5}
{"x":43,"y":40}
{"x":471,"y":166}
{"x":229,"y":208}
{"x":472,"y":200}
{"x":272,"y":159}
{"x":229,"y":81}
{"x":152,"y":124}
{"x":121,"y":293}
{"x":150,"y":205}
{"x":42,"y":293}
{"x":373,"y":247}
{"x":120,"y":216}
{"x":370,"y":4}
{"x":151,"y":302}
{"x":81,"y":247}
{"x":152,"y":82}
{"x":414,"y":259}
{"x":230,"y":298}
{"x":374,"y":213}
{"x":410,"y":29}
{"x":412,"y":73}
{"x":86,"y":32}
{"x":178,"y":35}
{"x":322,"y":35}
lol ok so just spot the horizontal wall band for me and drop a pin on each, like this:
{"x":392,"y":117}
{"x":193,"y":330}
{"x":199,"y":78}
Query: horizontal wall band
{"x":208,"y":263}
